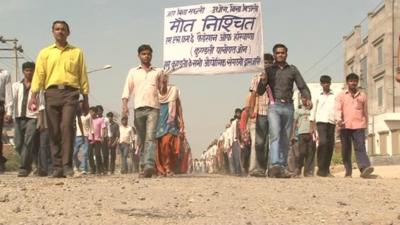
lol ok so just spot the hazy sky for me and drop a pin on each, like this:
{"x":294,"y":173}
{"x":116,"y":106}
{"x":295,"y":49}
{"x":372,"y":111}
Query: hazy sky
{"x":109,"y":32}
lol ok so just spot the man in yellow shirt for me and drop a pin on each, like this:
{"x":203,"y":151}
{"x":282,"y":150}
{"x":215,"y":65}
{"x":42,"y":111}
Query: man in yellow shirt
{"x":61,"y":72}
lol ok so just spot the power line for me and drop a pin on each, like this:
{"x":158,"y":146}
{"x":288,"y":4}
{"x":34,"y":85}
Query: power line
{"x":9,"y":66}
{"x":338,"y":58}
{"x":26,"y":56}
{"x":338,"y":44}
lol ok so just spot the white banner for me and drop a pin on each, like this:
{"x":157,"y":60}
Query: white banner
{"x":213,"y":39}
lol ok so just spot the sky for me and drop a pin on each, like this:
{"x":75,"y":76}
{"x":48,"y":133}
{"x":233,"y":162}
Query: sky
{"x":109,"y":32}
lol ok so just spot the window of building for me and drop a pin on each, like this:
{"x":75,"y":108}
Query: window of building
{"x":380,"y":54}
{"x":380,"y":96}
{"x":364,"y":73}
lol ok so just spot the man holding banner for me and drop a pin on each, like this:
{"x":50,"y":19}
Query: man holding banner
{"x":280,"y":78}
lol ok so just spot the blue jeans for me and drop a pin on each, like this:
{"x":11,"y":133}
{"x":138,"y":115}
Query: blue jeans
{"x":81,"y":142}
{"x":124,"y":149}
{"x":146,"y":119}
{"x":280,"y":116}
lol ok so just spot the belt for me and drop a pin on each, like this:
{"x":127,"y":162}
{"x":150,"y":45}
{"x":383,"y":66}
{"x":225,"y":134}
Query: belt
{"x":284,"y":100}
{"x":62,"y":87}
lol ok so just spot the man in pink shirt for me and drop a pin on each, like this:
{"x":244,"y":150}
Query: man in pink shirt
{"x":95,"y":142}
{"x":351,"y":112}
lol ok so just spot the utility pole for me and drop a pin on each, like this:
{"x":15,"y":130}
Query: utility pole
{"x":16,"y":48}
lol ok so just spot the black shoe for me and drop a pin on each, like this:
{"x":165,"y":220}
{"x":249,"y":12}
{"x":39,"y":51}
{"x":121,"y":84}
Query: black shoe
{"x":23,"y":173}
{"x":2,"y":164}
{"x":68,"y":171}
{"x":57,"y":174}
{"x":148,"y":172}
{"x":366,"y":172}
{"x":257,"y":174}
{"x":42,"y":173}
{"x":285,"y":174}
{"x":274,"y":171}
{"x":321,"y":174}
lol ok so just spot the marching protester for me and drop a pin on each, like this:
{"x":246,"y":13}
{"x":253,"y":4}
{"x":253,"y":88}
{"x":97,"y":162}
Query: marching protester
{"x":302,"y":124}
{"x":170,"y":126}
{"x":280,"y":78}
{"x":5,"y":101}
{"x":61,"y":71}
{"x":25,"y":119}
{"x":126,"y":139}
{"x":44,"y":161}
{"x":245,"y":141}
{"x":96,"y":137}
{"x":113,"y":139}
{"x":235,"y":139}
{"x":83,"y":124}
{"x":323,"y":118}
{"x":227,"y":149}
{"x":259,"y":130}
{"x":104,"y":141}
{"x":351,"y":112}
{"x":144,"y":82}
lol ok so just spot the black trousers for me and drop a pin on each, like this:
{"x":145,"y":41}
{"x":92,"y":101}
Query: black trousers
{"x":95,"y":150}
{"x":326,"y":134}
{"x":306,"y":152}
{"x":112,"y":158}
{"x":106,"y":154}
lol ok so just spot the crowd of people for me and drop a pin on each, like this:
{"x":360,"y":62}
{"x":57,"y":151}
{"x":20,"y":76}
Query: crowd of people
{"x":57,"y":132}
{"x":55,"y":127}
{"x":268,"y":137}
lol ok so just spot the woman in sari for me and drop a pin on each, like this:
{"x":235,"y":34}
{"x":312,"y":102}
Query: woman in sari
{"x":170,"y":126}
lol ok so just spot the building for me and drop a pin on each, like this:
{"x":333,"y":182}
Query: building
{"x":374,"y":57}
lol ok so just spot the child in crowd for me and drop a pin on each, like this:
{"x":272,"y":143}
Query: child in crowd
{"x":126,"y":138}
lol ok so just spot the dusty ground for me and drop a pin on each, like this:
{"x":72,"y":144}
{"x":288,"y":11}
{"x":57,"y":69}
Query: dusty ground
{"x":201,"y":199}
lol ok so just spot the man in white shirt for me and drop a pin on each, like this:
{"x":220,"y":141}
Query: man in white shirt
{"x":25,"y":119}
{"x":323,"y":118}
{"x":5,"y":100}
{"x":144,"y":82}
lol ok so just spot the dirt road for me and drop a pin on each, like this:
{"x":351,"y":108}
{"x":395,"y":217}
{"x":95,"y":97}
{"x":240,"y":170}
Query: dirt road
{"x":207,"y":199}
